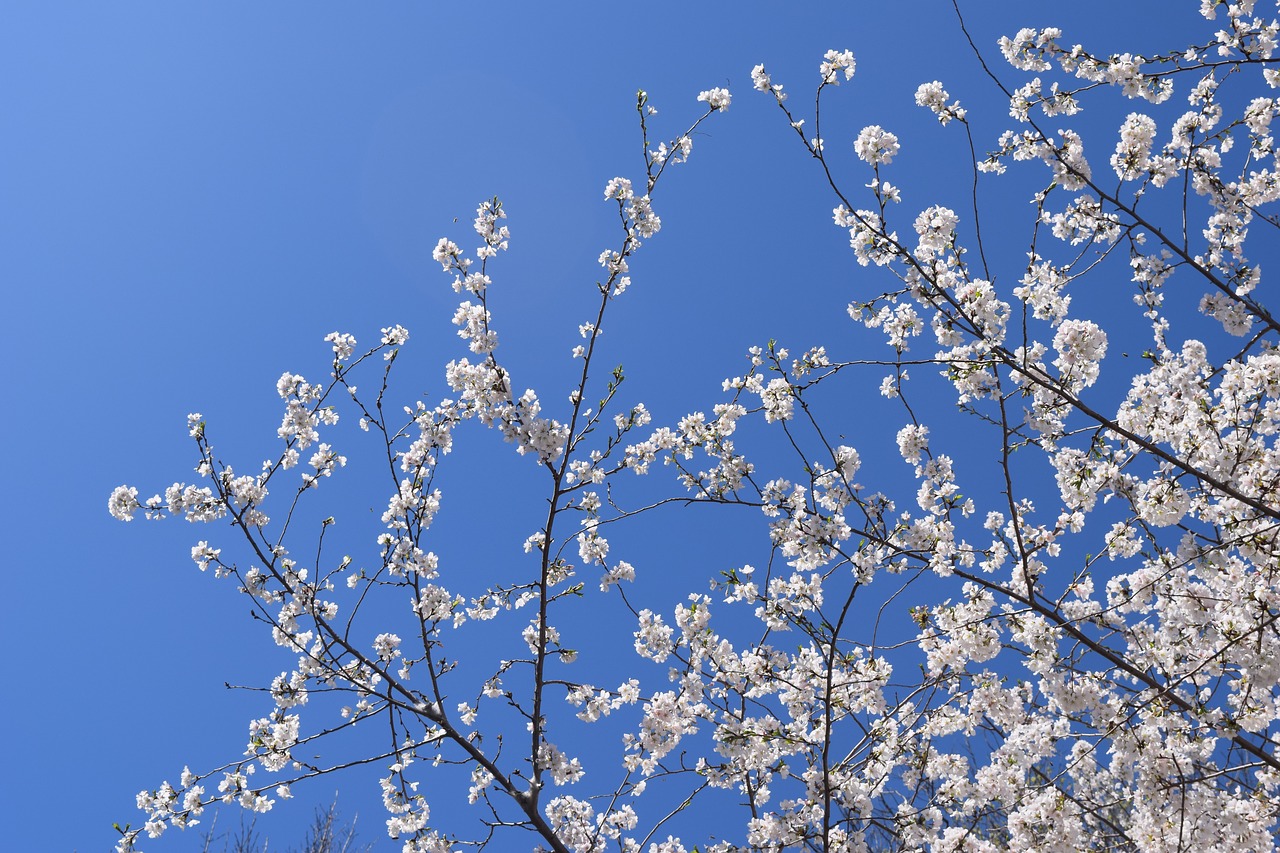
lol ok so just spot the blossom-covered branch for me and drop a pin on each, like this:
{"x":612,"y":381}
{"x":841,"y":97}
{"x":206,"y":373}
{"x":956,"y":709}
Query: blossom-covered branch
{"x":1057,"y":629}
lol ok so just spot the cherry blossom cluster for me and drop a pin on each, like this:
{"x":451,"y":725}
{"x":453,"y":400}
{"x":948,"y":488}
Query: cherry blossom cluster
{"x":387,"y":674}
{"x":1053,"y":629}
{"x":1141,"y":671}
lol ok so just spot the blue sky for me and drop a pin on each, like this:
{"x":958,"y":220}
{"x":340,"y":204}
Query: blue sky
{"x":193,"y":195}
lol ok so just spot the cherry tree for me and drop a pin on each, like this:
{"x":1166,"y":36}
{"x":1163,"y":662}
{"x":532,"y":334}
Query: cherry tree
{"x":1093,"y":655}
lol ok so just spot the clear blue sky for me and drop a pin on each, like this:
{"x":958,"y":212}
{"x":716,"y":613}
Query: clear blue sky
{"x":193,"y":195}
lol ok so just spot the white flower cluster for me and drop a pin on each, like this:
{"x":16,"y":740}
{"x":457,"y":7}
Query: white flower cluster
{"x":934,"y":98}
{"x":1058,"y":701}
{"x":875,"y":145}
{"x":717,"y":99}
{"x":836,"y":63}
